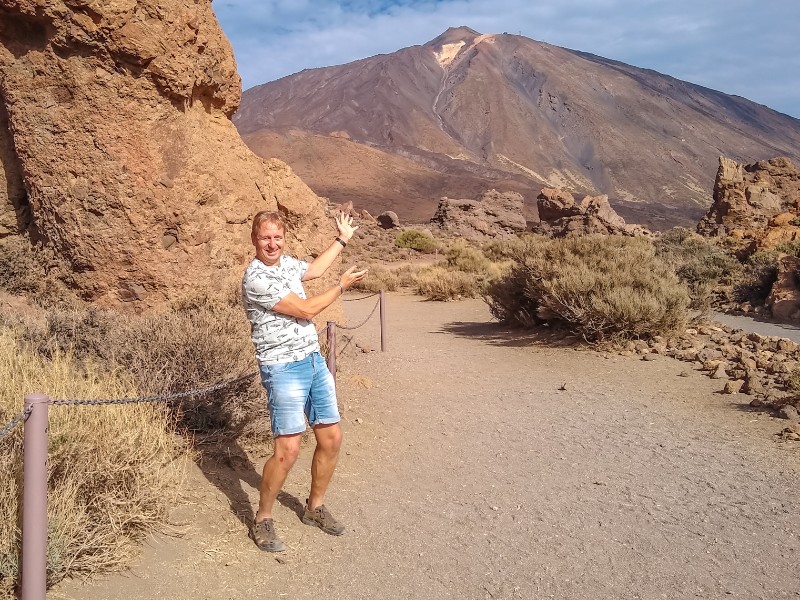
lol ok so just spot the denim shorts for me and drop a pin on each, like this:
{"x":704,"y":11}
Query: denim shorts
{"x":297,"y":391}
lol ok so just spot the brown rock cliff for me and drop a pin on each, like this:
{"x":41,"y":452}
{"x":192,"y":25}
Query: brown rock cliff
{"x":117,"y":149}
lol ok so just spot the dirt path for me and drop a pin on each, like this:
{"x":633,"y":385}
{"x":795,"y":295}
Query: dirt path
{"x":469,"y":474}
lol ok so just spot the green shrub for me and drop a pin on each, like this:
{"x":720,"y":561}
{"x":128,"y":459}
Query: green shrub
{"x":699,"y":263}
{"x":601,"y":287}
{"x":414,"y":239}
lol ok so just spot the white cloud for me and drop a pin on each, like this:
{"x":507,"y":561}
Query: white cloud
{"x":742,"y":47}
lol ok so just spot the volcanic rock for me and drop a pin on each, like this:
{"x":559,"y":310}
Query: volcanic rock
{"x":388,"y":220}
{"x":117,"y":150}
{"x":493,"y":215}
{"x":755,"y":203}
{"x":562,"y":216}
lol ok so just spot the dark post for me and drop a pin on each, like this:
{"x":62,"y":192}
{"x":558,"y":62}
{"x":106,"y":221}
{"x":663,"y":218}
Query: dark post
{"x":332,"y":348}
{"x":383,"y":322}
{"x":34,"y":499}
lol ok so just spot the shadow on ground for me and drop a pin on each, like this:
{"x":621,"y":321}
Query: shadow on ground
{"x":226,"y":465}
{"x":502,"y":335}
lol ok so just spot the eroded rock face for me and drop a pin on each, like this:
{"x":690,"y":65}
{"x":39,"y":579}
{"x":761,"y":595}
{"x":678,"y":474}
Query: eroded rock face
{"x":115,"y":136}
{"x":755,"y":203}
{"x":494,"y":214}
{"x":562,"y":216}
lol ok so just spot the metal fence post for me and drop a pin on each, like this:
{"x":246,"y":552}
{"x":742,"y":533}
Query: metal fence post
{"x":332,"y":348}
{"x":383,"y":322}
{"x":34,"y":499}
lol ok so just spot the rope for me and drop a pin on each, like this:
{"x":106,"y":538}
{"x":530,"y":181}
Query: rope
{"x":361,"y":298}
{"x":374,"y":308}
{"x":196,"y":392}
{"x":15,"y":421}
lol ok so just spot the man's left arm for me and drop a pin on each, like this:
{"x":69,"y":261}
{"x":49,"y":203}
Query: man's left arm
{"x":344,"y":223}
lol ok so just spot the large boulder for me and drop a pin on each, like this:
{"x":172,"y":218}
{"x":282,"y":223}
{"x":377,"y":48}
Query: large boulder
{"x":495,"y":214}
{"x":116,"y":148}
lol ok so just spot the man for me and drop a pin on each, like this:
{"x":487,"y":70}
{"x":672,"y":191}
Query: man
{"x":298,"y":383}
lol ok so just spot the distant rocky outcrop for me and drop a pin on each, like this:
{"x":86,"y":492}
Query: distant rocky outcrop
{"x":756,"y":204}
{"x":561,"y":216}
{"x":117,"y":151}
{"x":494,"y":214}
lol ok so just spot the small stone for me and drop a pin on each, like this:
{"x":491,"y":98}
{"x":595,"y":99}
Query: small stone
{"x":719,"y":372}
{"x":787,"y":411}
{"x":732,"y":387}
{"x":359,"y":420}
{"x":648,"y":357}
{"x":683,"y":374}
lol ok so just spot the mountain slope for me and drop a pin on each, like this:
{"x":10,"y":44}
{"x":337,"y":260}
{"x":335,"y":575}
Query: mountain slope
{"x":508,"y":112}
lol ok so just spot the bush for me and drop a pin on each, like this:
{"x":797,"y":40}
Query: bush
{"x":379,"y":278}
{"x":438,"y":283}
{"x":601,"y":287}
{"x":194,"y":343}
{"x":111,"y":469}
{"x":414,"y":239}
{"x":758,"y":275}
{"x":699,"y":263}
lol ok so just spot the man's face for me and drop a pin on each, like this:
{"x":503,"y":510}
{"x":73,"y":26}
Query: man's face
{"x":269,"y":241}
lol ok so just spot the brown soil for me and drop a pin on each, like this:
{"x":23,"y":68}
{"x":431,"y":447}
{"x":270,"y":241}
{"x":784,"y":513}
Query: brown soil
{"x":468,"y":472}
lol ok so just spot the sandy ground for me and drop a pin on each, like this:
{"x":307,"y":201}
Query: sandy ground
{"x":468,"y":473}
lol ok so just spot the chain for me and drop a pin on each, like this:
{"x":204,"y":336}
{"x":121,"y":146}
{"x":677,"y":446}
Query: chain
{"x":374,"y":308}
{"x":15,"y":421}
{"x":196,"y":392}
{"x":362,"y":298}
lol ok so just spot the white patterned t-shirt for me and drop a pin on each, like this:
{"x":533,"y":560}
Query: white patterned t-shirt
{"x":277,"y":337}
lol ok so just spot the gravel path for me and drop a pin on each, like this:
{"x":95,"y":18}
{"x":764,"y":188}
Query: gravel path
{"x":469,"y":473}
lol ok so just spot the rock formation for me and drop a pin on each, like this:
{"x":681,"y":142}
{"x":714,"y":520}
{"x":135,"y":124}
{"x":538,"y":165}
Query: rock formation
{"x":388,"y":220}
{"x":757,"y":204}
{"x":562,"y":216}
{"x":117,"y":150}
{"x":494,"y":214}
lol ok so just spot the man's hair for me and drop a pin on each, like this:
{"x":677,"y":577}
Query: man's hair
{"x":268,"y":216}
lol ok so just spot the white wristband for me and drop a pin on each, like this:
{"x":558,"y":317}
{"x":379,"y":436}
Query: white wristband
{"x":341,"y":287}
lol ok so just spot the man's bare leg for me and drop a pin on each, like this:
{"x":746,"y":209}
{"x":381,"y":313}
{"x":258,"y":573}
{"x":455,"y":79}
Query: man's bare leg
{"x":277,"y":467}
{"x":326,"y":455}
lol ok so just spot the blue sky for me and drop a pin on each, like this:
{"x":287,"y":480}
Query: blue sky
{"x":743,"y":47}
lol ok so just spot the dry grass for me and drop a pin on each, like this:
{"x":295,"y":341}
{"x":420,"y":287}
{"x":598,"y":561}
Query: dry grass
{"x":440,"y":283}
{"x":111,"y":469}
{"x":194,"y":343}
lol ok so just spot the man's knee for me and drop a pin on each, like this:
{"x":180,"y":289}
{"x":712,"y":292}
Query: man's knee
{"x":329,"y":437}
{"x":287,"y":449}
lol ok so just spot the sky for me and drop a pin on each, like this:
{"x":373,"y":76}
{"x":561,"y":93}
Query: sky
{"x":749,"y":48}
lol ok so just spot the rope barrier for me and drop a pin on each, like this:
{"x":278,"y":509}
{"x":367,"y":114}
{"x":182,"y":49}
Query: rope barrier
{"x":195,"y":392}
{"x":15,"y":421}
{"x":351,"y":327}
{"x":357,"y":299}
